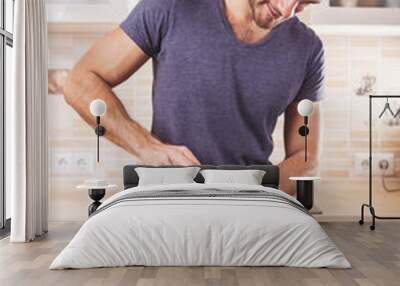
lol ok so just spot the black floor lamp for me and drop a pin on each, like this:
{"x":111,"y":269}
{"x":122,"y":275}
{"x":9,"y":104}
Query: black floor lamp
{"x":370,"y":203}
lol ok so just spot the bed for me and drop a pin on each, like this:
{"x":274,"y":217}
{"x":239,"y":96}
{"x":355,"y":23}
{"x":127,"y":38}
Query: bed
{"x":198,"y":224}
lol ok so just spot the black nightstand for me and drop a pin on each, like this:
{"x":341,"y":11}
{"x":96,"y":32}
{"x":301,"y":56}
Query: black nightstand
{"x":96,"y":193}
{"x":305,"y":190}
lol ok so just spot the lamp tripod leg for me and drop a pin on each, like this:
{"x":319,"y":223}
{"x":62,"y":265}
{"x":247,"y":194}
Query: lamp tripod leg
{"x":372,"y":210}
{"x":361,"y":221}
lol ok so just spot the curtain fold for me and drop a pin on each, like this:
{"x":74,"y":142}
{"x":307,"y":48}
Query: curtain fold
{"x":28,"y":170}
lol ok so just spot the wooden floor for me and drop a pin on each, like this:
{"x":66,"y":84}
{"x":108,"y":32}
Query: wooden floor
{"x":375,"y":257}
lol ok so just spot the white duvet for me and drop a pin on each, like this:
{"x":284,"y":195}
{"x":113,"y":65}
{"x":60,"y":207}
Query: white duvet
{"x":200,"y":231}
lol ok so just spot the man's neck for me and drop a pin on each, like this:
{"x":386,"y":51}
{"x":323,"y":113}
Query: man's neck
{"x":240,"y":17}
{"x":240,"y":10}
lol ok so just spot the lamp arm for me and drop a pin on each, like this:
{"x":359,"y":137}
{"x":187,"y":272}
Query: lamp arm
{"x":98,"y":137}
{"x":305,"y":137}
{"x":303,"y":131}
{"x":100,"y":131}
{"x":305,"y":146}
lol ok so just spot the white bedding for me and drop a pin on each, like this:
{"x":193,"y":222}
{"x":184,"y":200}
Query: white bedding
{"x":200,"y":231}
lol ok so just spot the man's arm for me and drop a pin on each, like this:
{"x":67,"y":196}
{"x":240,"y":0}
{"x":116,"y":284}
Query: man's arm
{"x":294,"y":164}
{"x":112,"y":60}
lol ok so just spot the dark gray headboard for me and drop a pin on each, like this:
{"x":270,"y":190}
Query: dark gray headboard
{"x":271,"y":178}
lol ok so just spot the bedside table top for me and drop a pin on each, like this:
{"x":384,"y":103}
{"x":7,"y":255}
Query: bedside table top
{"x":93,"y":187}
{"x":304,"y":178}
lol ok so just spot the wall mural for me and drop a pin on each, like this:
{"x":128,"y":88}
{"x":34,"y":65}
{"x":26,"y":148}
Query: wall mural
{"x":86,"y":11}
{"x":355,"y":67}
{"x":367,"y":85}
{"x":57,"y":78}
{"x":72,"y":2}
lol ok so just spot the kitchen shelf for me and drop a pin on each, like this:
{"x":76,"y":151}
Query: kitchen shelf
{"x":329,"y":30}
{"x":81,"y":27}
{"x":357,"y":30}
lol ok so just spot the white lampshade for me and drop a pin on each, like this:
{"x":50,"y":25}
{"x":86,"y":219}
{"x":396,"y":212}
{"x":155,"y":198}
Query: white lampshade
{"x":98,"y":107}
{"x":305,"y":107}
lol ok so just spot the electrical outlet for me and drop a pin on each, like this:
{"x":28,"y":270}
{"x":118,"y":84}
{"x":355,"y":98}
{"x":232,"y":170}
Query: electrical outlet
{"x":61,"y":163}
{"x":382,"y":164}
{"x":72,"y":163}
{"x":83,"y":162}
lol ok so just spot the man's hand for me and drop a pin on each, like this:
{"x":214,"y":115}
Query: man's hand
{"x":160,"y":154}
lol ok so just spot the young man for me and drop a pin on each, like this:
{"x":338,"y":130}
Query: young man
{"x":224,"y":70}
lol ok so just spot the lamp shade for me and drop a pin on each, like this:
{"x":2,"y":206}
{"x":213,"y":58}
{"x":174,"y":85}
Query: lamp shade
{"x":305,"y":107}
{"x":98,"y":107}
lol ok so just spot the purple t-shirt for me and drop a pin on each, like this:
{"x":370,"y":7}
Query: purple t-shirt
{"x":216,"y":95}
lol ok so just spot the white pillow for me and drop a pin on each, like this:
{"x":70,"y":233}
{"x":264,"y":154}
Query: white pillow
{"x":162,"y":176}
{"x":248,"y":177}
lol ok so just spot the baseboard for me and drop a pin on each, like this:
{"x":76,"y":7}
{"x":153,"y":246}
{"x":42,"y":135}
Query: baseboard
{"x":335,"y":218}
{"x":318,"y":217}
{"x":5,"y":232}
{"x":349,"y":218}
{"x":65,"y":221}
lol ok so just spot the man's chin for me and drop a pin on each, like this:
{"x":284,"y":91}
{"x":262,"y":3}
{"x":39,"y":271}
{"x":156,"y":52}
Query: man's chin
{"x":265,"y":24}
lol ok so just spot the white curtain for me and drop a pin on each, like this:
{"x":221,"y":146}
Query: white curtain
{"x":27,"y":123}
